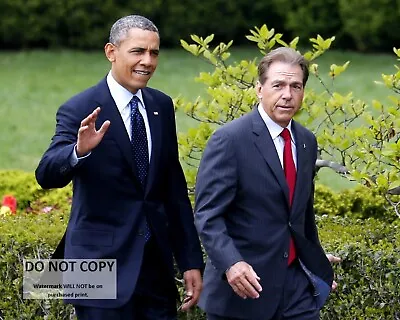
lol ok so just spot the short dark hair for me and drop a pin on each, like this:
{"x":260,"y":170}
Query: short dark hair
{"x":286,"y":55}
{"x":121,"y":27}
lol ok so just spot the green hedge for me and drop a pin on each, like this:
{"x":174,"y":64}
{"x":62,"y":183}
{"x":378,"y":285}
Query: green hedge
{"x":368,"y":277}
{"x":364,"y":25}
{"x":84,"y":24}
{"x":309,"y":18}
{"x":359,"y":202}
{"x":371,"y":24}
{"x":30,"y":196}
{"x":27,"y":236}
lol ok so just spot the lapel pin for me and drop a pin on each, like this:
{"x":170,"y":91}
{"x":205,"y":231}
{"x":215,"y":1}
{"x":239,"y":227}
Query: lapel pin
{"x":155,"y":113}
{"x":304,"y":146}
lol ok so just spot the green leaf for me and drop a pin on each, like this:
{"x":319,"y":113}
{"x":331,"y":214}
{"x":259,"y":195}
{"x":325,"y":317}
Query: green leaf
{"x":252,"y":38}
{"x":209,"y":39}
{"x":396,"y":51}
{"x":195,"y":38}
{"x":271,"y":33}
{"x":264,"y":32}
{"x":293,"y":43}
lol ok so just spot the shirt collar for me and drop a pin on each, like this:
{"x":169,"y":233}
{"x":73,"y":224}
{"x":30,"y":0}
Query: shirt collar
{"x":121,"y":95}
{"x":273,"y":128}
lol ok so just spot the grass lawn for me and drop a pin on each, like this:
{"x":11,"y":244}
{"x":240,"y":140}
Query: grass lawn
{"x":33,"y":84}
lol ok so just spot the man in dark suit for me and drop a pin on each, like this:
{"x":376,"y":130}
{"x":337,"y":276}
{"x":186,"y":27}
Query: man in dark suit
{"x":254,"y":206}
{"x":117,"y":143}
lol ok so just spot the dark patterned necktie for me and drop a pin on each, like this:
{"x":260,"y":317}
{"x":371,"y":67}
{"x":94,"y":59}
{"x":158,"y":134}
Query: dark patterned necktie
{"x":139,"y":141}
{"x":140,"y":147}
{"x":290,"y":174}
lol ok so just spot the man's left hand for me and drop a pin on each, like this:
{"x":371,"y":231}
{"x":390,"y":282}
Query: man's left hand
{"x":333,"y":259}
{"x":193,"y":286}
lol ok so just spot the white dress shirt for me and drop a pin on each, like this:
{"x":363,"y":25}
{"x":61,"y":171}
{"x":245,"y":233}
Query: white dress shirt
{"x":275,"y":131}
{"x":122,"y":97}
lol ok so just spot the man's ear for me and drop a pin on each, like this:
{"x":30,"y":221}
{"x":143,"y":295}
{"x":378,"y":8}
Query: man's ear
{"x":109,"y":50}
{"x":258,"y":90}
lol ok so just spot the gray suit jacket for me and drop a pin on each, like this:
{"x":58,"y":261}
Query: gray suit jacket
{"x":242,"y":212}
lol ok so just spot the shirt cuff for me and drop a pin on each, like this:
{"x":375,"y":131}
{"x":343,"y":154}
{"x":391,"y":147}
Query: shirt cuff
{"x":74,"y":160}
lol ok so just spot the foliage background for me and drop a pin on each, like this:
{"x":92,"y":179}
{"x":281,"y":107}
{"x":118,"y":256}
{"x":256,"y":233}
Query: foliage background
{"x":354,"y":229}
{"x":355,"y":224}
{"x":365,"y":25}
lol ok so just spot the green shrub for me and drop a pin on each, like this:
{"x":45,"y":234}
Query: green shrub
{"x":368,"y":277}
{"x":22,"y":185}
{"x":359,"y":202}
{"x":84,"y":24}
{"x":30,"y":196}
{"x":225,"y":19}
{"x":27,"y":236}
{"x":370,"y":23}
{"x":308,"y":18}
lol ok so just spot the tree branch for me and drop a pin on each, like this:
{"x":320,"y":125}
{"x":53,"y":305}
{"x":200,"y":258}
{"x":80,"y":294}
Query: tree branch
{"x":333,"y":165}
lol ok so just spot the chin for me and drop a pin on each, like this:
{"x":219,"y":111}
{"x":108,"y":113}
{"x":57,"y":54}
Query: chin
{"x":138,"y":85}
{"x":284,"y":122}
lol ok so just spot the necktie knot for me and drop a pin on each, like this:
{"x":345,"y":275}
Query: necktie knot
{"x":285,"y":134}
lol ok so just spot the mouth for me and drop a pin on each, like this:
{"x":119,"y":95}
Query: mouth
{"x":142,"y":72}
{"x":286,"y":108}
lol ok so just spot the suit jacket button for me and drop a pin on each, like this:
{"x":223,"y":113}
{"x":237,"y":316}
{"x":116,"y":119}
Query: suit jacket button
{"x":63,"y":169}
{"x":285,"y":255}
{"x":141,"y":233}
{"x":290,"y":224}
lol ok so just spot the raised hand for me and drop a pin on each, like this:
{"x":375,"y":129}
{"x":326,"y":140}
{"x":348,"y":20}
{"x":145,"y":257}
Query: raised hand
{"x":88,"y":136}
{"x":244,"y":280}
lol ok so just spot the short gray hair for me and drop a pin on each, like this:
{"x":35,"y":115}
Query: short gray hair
{"x":121,"y":27}
{"x":286,"y":55}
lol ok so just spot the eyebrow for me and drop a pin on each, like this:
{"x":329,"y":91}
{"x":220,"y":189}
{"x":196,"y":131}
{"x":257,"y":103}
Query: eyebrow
{"x":157,"y":51}
{"x":279,"y":81}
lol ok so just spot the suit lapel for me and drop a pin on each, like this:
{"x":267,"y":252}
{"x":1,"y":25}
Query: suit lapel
{"x":266,"y":147}
{"x":153,"y":111}
{"x":303,"y":164}
{"x":117,"y":130}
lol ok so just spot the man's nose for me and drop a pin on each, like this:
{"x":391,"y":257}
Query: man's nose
{"x":287,"y":93}
{"x":147,"y":59}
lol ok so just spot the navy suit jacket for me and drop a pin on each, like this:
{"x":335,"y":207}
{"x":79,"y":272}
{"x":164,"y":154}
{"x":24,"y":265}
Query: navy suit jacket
{"x":109,"y":205}
{"x":242,"y":212}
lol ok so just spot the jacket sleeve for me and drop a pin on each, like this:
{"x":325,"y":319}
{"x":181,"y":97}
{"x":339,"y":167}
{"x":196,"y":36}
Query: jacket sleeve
{"x":185,"y":241}
{"x":311,"y":231}
{"x":215,"y":191}
{"x":54,"y":169}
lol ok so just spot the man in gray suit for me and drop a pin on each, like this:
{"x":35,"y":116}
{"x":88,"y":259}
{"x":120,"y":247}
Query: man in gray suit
{"x":254,"y":206}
